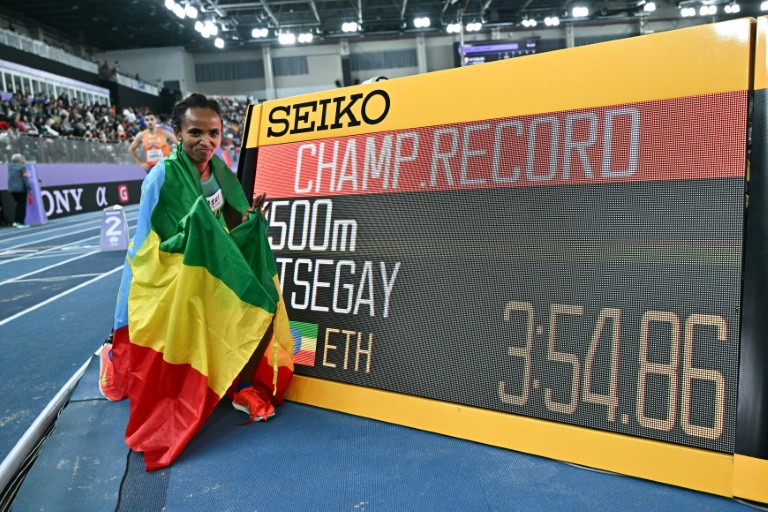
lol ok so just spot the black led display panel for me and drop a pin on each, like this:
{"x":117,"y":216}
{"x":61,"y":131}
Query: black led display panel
{"x":582,"y":267}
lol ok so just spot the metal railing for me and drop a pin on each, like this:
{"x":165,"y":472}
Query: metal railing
{"x":29,"y":45}
{"x":63,"y":150}
{"x":36,"y":47}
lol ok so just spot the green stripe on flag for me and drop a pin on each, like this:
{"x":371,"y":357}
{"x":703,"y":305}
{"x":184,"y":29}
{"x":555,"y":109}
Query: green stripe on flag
{"x":306,"y":330}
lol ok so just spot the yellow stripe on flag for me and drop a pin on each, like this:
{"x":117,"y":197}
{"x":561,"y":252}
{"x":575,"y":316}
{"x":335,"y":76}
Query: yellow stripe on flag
{"x":189,"y":298}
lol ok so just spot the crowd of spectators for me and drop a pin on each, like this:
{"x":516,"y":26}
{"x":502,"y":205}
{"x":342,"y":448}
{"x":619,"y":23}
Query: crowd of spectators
{"x":64,"y":117}
{"x":42,"y":117}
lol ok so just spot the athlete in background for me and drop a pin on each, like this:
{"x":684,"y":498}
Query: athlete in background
{"x":156,"y":141}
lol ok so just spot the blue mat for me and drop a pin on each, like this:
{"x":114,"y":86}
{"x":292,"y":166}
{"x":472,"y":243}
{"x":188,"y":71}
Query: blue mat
{"x":43,"y":349}
{"x":81,"y":465}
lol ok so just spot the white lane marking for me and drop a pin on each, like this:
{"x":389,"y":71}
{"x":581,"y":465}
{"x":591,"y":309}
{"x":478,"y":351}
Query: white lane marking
{"x":3,"y":262}
{"x":56,"y":278}
{"x":64,"y":222}
{"x":11,"y":252}
{"x":57,"y":297}
{"x":50,"y":249}
{"x":46,"y":268}
{"x":52,"y":238}
{"x":51,"y":230}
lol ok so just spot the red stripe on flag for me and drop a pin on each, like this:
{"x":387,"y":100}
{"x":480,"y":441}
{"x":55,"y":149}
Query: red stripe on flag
{"x":262,"y":380}
{"x":673,"y":139}
{"x":304,"y":357}
{"x":168,"y":402}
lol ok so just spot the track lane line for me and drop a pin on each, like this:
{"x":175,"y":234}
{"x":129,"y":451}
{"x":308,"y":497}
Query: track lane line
{"x":3,"y":262}
{"x":46,"y":268}
{"x":57,"y":297}
{"x":50,"y":237}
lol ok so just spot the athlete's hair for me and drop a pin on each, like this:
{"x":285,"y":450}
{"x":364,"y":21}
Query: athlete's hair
{"x":149,"y":113}
{"x":194,"y":100}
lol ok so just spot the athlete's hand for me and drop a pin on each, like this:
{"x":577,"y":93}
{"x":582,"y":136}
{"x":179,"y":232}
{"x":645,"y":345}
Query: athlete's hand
{"x":145,"y":166}
{"x":260,"y":204}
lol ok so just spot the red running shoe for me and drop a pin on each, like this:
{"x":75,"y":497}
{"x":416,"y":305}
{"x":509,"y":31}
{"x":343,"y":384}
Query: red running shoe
{"x":107,"y":375}
{"x":251,"y":403}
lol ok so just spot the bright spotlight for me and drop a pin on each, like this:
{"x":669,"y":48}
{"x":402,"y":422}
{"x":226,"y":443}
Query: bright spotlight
{"x":453,"y":28}
{"x":306,"y":37}
{"x":211,"y":28}
{"x":551,"y":21}
{"x":190,"y":11}
{"x":474,"y":27}
{"x":350,"y":26}
{"x":199,"y":26}
{"x":421,"y":22}
{"x":286,"y":38}
{"x":580,"y":12}
{"x":219,"y":42}
{"x":178,"y":10}
{"x":170,"y":4}
{"x":649,"y":7}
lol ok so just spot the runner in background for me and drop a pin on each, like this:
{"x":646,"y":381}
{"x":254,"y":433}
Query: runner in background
{"x":156,"y":141}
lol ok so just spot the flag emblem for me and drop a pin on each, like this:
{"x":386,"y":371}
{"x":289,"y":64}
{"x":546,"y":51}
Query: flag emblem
{"x":304,"y":342}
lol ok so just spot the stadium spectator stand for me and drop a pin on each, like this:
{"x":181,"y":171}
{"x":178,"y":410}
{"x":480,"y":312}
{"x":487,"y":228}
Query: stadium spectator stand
{"x":64,"y":130}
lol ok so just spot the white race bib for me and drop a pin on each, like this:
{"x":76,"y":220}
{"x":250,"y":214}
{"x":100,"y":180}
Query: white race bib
{"x":216,"y":201}
{"x":154,"y":155}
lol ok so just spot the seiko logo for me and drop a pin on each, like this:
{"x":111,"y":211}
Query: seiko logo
{"x":334,"y":113}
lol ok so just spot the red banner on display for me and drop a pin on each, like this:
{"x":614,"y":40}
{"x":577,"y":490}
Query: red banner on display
{"x":674,"y":139}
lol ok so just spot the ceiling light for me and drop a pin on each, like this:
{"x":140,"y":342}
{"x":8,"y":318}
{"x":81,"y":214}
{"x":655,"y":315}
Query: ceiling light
{"x":211,"y":28}
{"x":170,"y":4}
{"x":178,"y":10}
{"x":732,"y":8}
{"x":580,"y":12}
{"x":286,"y":38}
{"x":453,"y":28}
{"x":219,"y":42}
{"x":350,"y":26}
{"x":190,"y":11}
{"x":706,"y":10}
{"x":474,"y":27}
{"x":649,"y":7}
{"x":764,"y":6}
{"x":305,"y":38}
{"x":687,"y":12}
{"x":260,"y":32}
{"x":199,"y":26}
{"x":551,"y":21}
{"x":421,"y":22}
{"x":529,"y":22}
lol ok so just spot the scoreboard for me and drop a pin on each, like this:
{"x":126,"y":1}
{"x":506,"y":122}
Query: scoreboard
{"x":480,"y":52}
{"x":563,"y":255}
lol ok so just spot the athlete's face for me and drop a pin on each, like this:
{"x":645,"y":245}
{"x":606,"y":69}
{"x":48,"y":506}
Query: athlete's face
{"x":151,"y":122}
{"x":200,"y":134}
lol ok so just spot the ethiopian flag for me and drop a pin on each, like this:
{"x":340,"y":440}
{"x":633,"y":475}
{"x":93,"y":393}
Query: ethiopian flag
{"x":195,"y":301}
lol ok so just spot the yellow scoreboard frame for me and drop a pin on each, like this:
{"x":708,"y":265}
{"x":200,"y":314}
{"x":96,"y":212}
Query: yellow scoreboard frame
{"x":722,"y":58}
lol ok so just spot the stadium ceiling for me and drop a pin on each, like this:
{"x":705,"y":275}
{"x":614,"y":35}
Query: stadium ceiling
{"x":126,"y":24}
